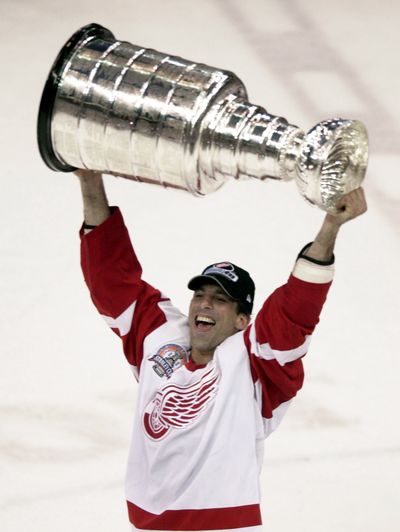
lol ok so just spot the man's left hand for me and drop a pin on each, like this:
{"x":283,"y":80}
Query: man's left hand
{"x":349,"y":206}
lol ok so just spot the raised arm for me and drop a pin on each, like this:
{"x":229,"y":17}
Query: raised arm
{"x":112,"y":272}
{"x":349,"y":207}
{"x":282,"y":331}
{"x":95,"y":204}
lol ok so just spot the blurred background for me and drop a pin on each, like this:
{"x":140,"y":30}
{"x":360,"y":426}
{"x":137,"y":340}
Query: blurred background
{"x":66,"y":393}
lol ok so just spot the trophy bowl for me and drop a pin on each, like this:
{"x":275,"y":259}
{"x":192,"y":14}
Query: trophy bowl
{"x":118,"y":108}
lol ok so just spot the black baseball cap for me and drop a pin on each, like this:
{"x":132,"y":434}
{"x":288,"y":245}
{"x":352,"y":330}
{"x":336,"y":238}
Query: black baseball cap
{"x":234,"y":281}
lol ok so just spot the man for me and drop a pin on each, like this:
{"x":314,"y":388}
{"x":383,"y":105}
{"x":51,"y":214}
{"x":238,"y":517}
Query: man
{"x":211,"y":386}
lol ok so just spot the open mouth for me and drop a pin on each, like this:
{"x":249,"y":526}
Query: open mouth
{"x":204,"y":323}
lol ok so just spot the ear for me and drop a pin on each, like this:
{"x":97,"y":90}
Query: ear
{"x":242,"y":321}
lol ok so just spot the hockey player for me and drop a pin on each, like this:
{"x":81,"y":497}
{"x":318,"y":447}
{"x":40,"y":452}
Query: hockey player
{"x":213,"y":385}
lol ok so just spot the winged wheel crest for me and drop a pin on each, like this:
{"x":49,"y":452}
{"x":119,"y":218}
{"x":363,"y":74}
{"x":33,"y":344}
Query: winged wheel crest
{"x":177,"y":407}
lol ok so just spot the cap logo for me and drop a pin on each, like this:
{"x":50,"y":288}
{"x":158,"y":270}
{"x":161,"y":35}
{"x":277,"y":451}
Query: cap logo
{"x":223,"y":268}
{"x":223,"y":265}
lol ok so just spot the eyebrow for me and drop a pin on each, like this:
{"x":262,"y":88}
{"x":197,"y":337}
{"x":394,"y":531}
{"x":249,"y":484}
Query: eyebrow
{"x":221,"y":292}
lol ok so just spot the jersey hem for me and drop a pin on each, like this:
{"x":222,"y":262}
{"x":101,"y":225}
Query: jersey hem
{"x":231,"y":518}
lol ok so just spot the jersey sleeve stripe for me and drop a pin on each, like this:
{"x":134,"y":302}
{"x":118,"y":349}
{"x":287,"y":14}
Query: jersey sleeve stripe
{"x":266,"y":352}
{"x":278,"y":414}
{"x":313,"y":273}
{"x":123,"y":322}
{"x":272,"y":422}
{"x":135,"y":371}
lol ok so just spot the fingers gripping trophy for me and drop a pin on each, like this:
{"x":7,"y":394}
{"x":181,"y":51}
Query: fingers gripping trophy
{"x":118,"y":108}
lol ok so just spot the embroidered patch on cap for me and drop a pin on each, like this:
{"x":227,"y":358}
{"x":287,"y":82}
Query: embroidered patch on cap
{"x":223,"y":268}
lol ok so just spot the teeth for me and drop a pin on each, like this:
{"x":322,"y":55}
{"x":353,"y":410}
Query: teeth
{"x":205,"y":319}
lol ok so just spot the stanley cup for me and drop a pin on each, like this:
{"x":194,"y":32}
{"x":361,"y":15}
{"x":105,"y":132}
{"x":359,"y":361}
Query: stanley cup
{"x":134,"y":112}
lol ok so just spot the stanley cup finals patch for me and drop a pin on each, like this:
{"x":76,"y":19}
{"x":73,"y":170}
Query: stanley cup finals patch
{"x":168,"y":358}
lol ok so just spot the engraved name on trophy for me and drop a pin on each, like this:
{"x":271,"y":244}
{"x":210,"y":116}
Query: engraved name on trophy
{"x":125,"y":110}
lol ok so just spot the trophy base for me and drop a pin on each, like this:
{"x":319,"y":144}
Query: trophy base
{"x":50,"y":93}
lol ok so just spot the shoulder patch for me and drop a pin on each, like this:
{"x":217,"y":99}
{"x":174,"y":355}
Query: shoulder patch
{"x":168,"y":358}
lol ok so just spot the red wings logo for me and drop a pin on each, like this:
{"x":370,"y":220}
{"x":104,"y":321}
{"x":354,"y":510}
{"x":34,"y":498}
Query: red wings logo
{"x":176,"y":407}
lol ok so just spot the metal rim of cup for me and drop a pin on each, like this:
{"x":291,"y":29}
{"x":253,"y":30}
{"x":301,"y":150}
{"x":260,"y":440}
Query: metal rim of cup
{"x":317,"y":182}
{"x":49,"y":94}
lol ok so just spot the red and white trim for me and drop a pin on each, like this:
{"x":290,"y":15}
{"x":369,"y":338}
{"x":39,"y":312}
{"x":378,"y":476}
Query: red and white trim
{"x":257,"y":528}
{"x":283,"y":357}
{"x":313,"y":273}
{"x":234,"y":518}
{"x":278,"y":413}
{"x":123,"y":322}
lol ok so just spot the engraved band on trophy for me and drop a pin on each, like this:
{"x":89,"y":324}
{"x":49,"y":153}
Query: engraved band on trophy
{"x":134,"y":112}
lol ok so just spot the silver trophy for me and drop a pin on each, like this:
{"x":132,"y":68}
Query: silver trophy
{"x":134,"y":112}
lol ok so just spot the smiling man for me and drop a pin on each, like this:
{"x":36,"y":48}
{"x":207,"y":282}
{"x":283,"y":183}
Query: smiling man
{"x":220,"y":307}
{"x":212,"y":386}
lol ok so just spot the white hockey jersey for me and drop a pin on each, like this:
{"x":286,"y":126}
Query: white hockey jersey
{"x":197,"y":441}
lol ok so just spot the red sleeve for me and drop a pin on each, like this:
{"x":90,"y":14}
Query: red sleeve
{"x":279,"y":338}
{"x":114,"y":277}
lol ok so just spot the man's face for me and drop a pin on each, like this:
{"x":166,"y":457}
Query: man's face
{"x":212,"y":318}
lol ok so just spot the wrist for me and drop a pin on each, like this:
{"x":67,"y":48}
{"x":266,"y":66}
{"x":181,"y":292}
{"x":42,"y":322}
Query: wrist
{"x":92,"y":181}
{"x":84,"y":174}
{"x":332,"y":223}
{"x":320,"y":261}
{"x":322,"y":248}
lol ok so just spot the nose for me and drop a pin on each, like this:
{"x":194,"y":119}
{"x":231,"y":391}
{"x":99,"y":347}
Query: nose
{"x":206,"y":302}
